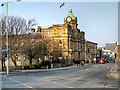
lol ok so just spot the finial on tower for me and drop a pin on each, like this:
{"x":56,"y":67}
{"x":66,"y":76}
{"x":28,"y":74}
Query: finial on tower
{"x":70,"y":10}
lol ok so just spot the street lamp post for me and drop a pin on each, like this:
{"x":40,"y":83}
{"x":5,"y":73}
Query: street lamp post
{"x":7,"y":36}
{"x":85,"y":50}
{"x":7,"y":49}
{"x":22,"y":57}
{"x":69,"y":49}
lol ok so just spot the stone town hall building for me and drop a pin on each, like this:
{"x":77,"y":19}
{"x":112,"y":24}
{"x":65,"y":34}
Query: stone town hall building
{"x":71,"y":39}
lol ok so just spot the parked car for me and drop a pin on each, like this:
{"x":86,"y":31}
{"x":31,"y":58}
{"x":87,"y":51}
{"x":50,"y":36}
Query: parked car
{"x":106,"y":60}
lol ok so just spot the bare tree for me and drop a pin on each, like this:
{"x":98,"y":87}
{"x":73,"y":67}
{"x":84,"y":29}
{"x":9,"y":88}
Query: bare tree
{"x":34,"y":47}
{"x":56,"y":51}
{"x":40,"y":47}
{"x":53,"y":48}
{"x":17,"y":28}
{"x":16,"y":25}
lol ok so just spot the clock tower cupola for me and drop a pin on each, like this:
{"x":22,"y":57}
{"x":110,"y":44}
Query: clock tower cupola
{"x":71,"y":19}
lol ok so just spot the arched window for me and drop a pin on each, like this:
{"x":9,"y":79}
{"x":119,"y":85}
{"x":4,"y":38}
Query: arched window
{"x":55,"y":31}
{"x":60,"y":31}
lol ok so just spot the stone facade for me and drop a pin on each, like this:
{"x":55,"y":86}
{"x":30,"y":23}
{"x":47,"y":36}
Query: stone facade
{"x":117,"y":51}
{"x":111,"y":46}
{"x":69,"y":37}
{"x":91,"y":51}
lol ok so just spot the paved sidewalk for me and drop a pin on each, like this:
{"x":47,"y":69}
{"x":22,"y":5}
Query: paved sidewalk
{"x":42,"y":70}
{"x":115,"y":70}
{"x":37,"y":70}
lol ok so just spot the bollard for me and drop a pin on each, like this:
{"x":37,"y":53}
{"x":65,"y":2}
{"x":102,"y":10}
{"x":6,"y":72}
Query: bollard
{"x":51,"y":65}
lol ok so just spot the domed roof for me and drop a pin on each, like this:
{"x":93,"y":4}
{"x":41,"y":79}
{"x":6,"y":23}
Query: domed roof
{"x":70,"y":14}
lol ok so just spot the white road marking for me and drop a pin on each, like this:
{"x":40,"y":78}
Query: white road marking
{"x":82,"y":70}
{"x":20,"y":83}
{"x":108,"y":74}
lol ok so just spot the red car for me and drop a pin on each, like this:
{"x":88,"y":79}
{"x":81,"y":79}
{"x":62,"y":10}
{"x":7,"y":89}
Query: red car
{"x":102,"y":61}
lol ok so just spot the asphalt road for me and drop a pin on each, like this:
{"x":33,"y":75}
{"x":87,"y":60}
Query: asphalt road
{"x":89,"y":76}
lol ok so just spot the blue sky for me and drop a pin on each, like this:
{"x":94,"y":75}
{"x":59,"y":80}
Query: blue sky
{"x":99,"y":20}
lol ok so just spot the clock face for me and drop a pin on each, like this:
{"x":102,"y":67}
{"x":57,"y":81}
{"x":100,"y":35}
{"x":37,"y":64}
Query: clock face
{"x":68,"y":19}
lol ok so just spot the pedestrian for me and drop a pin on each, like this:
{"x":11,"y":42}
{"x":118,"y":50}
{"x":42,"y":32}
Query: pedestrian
{"x":94,"y":60}
{"x":78,"y":63}
{"x":82,"y":63}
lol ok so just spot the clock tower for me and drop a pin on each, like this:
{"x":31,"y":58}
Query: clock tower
{"x":71,"y":20}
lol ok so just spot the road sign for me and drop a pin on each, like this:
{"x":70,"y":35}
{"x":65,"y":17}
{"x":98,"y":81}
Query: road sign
{"x":60,"y":57}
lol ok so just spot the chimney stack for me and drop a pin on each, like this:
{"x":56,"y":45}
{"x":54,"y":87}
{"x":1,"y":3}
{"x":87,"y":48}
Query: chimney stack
{"x":33,"y":30}
{"x":38,"y":29}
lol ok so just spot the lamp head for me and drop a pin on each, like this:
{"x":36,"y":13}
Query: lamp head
{"x":18,"y":0}
{"x":2,"y":4}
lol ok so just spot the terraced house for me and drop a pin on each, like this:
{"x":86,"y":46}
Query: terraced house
{"x":91,"y":51}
